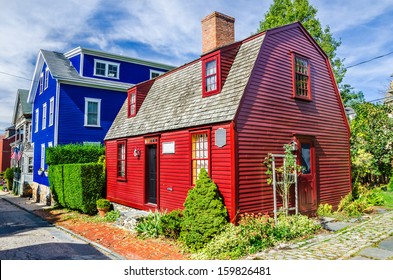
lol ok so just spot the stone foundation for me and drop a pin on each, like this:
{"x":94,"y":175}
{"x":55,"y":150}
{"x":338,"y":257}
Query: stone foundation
{"x":41,"y":194}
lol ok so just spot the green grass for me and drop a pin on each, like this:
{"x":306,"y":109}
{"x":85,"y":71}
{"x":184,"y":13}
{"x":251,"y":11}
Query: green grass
{"x":388,"y":197}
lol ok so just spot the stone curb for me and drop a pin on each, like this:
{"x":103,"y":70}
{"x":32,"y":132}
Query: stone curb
{"x":94,"y":244}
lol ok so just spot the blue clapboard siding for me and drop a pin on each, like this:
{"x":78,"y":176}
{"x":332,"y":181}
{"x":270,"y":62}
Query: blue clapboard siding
{"x":129,"y":72}
{"x":76,"y":62}
{"x":42,"y":136}
{"x":72,"y":109}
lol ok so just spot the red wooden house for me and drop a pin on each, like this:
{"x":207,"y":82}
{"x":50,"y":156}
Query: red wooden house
{"x":226,"y":111}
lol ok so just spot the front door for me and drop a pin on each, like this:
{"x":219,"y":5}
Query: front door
{"x":307,"y":179}
{"x":151,"y":180}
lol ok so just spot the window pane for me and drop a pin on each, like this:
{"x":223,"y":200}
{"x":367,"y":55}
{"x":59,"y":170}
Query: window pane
{"x":301,"y":77}
{"x":112,"y":70}
{"x":92,"y":113}
{"x":306,"y":159}
{"x":200,"y":154}
{"x":100,"y":68}
{"x":121,"y":160}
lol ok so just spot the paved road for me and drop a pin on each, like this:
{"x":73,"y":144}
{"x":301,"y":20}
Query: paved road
{"x":24,"y":236}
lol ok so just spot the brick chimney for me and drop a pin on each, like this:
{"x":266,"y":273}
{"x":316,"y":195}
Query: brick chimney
{"x":217,"y":30}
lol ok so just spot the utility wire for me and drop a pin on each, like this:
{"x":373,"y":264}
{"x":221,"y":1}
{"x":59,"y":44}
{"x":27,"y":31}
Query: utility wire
{"x":369,"y":60}
{"x":12,"y":75}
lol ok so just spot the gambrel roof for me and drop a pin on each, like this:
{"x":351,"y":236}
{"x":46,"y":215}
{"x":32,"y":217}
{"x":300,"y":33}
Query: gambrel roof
{"x":175,"y":100}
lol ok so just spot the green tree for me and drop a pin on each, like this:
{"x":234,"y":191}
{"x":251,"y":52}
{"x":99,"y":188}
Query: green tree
{"x":283,"y":12}
{"x":349,"y":97}
{"x":372,"y":142}
{"x":204,"y":215}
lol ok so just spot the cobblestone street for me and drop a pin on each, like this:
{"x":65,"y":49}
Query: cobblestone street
{"x":358,"y":241}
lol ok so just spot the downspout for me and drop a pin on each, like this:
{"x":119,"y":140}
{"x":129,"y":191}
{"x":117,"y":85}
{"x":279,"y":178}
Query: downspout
{"x":56,"y":128}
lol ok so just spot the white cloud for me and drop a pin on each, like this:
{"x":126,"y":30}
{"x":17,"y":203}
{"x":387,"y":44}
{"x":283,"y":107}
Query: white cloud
{"x":170,"y":32}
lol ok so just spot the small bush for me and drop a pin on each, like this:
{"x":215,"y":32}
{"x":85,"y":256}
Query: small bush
{"x":171,"y":224}
{"x":291,"y":227}
{"x":254,"y":233}
{"x":103,"y":203}
{"x":112,"y":216}
{"x":204,"y":213}
{"x":149,"y":226}
{"x":325,"y":210}
{"x":9,"y":177}
{"x":229,"y":244}
{"x":365,"y":201}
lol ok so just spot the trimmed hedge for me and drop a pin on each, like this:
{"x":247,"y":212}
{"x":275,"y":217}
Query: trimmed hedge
{"x":77,"y":186}
{"x":74,"y":153}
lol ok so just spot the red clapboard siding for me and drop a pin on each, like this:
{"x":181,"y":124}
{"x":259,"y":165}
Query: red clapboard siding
{"x":174,"y":170}
{"x":269,"y":117}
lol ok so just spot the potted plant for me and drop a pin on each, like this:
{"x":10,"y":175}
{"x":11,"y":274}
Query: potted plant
{"x":40,"y":171}
{"x":103,"y":206}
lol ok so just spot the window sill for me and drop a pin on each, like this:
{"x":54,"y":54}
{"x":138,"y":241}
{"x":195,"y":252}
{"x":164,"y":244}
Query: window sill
{"x":120,"y":179}
{"x":94,"y":126}
{"x":302,"y":98}
{"x":102,"y":76}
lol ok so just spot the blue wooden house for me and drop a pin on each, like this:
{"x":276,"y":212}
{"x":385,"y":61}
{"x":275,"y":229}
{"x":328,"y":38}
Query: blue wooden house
{"x":75,"y":97}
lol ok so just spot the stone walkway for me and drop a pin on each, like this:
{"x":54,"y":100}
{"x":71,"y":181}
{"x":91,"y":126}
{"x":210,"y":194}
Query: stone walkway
{"x":369,"y":239}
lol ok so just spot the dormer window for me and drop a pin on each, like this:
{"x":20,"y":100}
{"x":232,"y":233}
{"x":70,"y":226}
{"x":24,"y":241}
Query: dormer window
{"x":211,"y":75}
{"x":106,"y":69}
{"x":132,"y":104}
{"x":301,"y":69}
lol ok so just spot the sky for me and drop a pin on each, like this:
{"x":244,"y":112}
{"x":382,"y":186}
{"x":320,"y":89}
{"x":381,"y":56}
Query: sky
{"x":169,"y":31}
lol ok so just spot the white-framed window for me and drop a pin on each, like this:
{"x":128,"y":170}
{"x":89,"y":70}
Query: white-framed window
{"x":92,"y":112}
{"x":41,"y":83}
{"x":107,"y":69}
{"x":42,"y":163}
{"x":51,"y":111}
{"x":36,"y":119}
{"x":44,"y":116}
{"x":46,"y":77}
{"x":50,"y":144}
{"x":155,"y":73}
{"x":30,"y":165}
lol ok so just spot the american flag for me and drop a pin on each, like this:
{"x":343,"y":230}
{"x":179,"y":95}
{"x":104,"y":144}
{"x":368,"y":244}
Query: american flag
{"x":16,"y":154}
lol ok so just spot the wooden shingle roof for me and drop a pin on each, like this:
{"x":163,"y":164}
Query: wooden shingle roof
{"x":175,"y":99}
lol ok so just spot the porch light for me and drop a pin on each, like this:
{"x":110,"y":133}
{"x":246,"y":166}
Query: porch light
{"x":293,"y":145}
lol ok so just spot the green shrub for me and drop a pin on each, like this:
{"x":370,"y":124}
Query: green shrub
{"x":231,"y":243}
{"x":9,"y":177}
{"x":103,"y":203}
{"x":365,"y":201}
{"x":74,"y":153}
{"x":254,"y":233}
{"x":204,"y":213}
{"x":325,"y":210}
{"x":149,"y":226}
{"x":78,"y":186}
{"x":291,"y":227}
{"x":171,"y":224}
{"x":112,"y":216}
